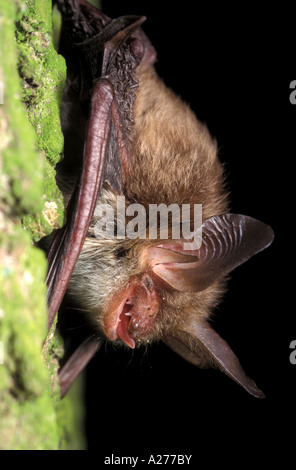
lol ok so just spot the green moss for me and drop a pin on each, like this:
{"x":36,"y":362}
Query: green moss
{"x":31,"y":143}
{"x":43,"y":73}
{"x":28,"y":417}
{"x":42,"y":91}
{"x":28,"y":178}
{"x":70,"y":421}
{"x":20,"y":171}
{"x":52,"y":214}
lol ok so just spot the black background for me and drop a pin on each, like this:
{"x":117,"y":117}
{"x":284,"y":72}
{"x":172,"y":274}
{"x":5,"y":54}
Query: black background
{"x":233,"y":65}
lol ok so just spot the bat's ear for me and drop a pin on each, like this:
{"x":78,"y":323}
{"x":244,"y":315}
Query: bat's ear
{"x":228,"y":240}
{"x":199,"y":344}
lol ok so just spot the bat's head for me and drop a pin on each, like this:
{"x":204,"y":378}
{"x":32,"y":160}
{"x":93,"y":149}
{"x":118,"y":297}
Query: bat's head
{"x":141,"y":289}
{"x":116,"y":280}
{"x":153,"y":303}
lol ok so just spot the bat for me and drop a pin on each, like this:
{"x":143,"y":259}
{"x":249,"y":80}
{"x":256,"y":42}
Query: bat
{"x":130,"y":142}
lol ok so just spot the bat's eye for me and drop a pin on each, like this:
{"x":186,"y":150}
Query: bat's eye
{"x":148,"y":282}
{"x":120,"y":252}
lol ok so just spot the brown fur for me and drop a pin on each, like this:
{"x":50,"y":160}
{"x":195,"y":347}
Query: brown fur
{"x":174,"y":159}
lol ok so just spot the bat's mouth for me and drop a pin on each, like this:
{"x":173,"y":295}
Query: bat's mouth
{"x":123,"y":325}
{"x":132,"y":312}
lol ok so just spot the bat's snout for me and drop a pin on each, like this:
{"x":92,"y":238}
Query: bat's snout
{"x":132,"y":312}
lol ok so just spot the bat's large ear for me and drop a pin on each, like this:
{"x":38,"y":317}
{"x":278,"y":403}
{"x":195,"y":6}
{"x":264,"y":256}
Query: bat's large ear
{"x":228,"y":240}
{"x":199,"y":344}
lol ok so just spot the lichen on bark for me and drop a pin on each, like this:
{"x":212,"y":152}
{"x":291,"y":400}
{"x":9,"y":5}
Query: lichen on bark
{"x":32,"y":77}
{"x":43,"y":77}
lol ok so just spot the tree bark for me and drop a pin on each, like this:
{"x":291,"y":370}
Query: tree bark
{"x":32,"y":77}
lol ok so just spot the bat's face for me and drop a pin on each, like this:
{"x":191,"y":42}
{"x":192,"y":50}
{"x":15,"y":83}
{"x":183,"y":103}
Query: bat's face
{"x":128,"y":290}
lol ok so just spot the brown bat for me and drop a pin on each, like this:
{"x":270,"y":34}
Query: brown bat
{"x":139,"y":141}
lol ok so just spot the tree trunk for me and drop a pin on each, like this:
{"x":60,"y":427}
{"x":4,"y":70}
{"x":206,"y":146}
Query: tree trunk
{"x":32,"y":77}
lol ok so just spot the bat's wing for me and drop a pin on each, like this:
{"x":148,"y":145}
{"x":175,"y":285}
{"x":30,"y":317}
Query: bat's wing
{"x":68,"y":242}
{"x":107,"y":59}
{"x":102,"y":56}
{"x":76,"y":363}
{"x":199,"y":344}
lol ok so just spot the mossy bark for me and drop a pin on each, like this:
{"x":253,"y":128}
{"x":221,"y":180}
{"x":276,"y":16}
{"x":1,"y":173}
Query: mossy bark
{"x":32,"y":77}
